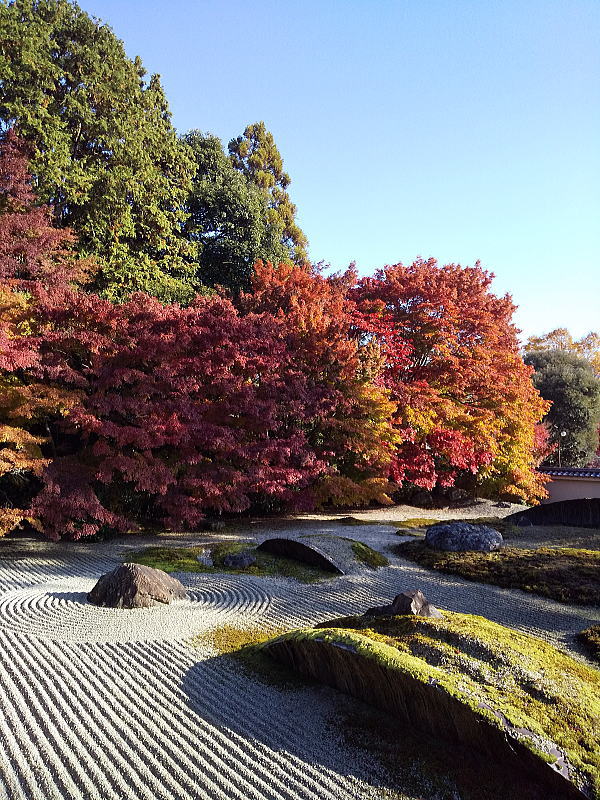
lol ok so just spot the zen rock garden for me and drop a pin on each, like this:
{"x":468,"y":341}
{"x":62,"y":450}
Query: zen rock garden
{"x":273,"y":527}
{"x":488,"y":677}
{"x":442,"y":659}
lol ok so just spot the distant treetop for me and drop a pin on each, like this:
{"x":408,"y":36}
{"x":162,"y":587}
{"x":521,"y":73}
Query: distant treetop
{"x":256,"y":155}
{"x":587,"y":347}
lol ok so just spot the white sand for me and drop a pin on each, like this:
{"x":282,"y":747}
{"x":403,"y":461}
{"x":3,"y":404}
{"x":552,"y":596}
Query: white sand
{"x":100,"y":704}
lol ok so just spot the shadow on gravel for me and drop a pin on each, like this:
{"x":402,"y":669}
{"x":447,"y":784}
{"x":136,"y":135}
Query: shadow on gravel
{"x":316,"y":733}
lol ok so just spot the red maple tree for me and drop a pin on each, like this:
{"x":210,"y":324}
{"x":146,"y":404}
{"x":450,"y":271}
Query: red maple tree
{"x":349,"y":421}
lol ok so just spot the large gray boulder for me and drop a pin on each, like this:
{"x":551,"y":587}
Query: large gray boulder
{"x":136,"y":586}
{"x":461,"y":536}
{"x":406,"y":603}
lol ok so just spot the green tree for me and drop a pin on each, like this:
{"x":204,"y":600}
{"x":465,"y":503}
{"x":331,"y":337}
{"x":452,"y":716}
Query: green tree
{"x":103,"y":150}
{"x":256,"y":155}
{"x":570,"y":383}
{"x":228,"y":217}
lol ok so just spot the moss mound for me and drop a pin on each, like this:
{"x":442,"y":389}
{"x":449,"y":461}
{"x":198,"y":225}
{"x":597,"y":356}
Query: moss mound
{"x":565,"y":574}
{"x":185,"y":559}
{"x":366,"y":555}
{"x":417,"y":522}
{"x":516,"y":699}
{"x":590,"y":638}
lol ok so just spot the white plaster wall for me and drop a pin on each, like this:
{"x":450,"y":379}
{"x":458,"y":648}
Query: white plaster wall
{"x":572,"y":489}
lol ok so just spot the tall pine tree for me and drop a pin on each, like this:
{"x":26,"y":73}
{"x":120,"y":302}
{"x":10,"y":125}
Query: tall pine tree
{"x":256,"y":155}
{"x":229,"y":218}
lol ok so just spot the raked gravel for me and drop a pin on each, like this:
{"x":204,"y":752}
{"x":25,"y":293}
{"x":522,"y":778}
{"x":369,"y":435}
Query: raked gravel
{"x":100,"y":704}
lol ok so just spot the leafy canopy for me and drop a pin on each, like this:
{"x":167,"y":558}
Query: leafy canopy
{"x":466,"y":404}
{"x":587,"y":347}
{"x":104,"y":152}
{"x":570,"y":383}
{"x":302,"y":391}
{"x":31,"y":250}
{"x":349,"y":424}
{"x":228,"y":218}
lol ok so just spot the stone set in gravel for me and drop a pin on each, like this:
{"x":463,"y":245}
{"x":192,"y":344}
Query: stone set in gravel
{"x":462,"y":536}
{"x":239,"y":560}
{"x":136,"y":586}
{"x":300,"y":551}
{"x":406,"y":603}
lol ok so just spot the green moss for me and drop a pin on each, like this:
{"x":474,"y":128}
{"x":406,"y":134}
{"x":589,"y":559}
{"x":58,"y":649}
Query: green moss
{"x":366,"y":555}
{"x":229,"y":639}
{"x":416,"y":522}
{"x":169,"y":559}
{"x":534,"y":685}
{"x":565,"y":574}
{"x":243,"y":644}
{"x":590,"y":638}
{"x":185,"y":559}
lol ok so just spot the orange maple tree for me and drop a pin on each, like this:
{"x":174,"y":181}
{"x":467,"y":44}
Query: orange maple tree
{"x":350,"y":423}
{"x":31,"y":251}
{"x":466,"y":402}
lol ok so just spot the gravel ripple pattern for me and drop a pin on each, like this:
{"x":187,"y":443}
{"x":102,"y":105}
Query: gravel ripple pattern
{"x":111,"y":704}
{"x":60,"y":611}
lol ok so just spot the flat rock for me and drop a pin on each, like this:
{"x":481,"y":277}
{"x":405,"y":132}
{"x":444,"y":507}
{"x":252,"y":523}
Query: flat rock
{"x":462,"y":536}
{"x":406,"y":603}
{"x":136,"y":586}
{"x":300,"y":551}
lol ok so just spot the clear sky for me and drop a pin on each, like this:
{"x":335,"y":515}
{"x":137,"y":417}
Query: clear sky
{"x":461,"y":130}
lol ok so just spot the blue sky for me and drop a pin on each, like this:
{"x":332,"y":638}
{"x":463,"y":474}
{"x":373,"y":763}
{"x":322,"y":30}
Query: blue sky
{"x":461,"y":130}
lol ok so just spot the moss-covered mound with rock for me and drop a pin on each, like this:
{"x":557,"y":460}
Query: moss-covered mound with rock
{"x":517,"y":700}
{"x":565,"y":574}
{"x":216,"y":558}
{"x":245,"y":557}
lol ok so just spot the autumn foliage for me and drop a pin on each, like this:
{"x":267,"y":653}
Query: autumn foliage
{"x":306,"y":390}
{"x":465,"y":400}
{"x":31,"y":251}
{"x":350,"y":424}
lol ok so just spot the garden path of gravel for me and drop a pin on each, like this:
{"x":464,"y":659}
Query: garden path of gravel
{"x":100,"y":704}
